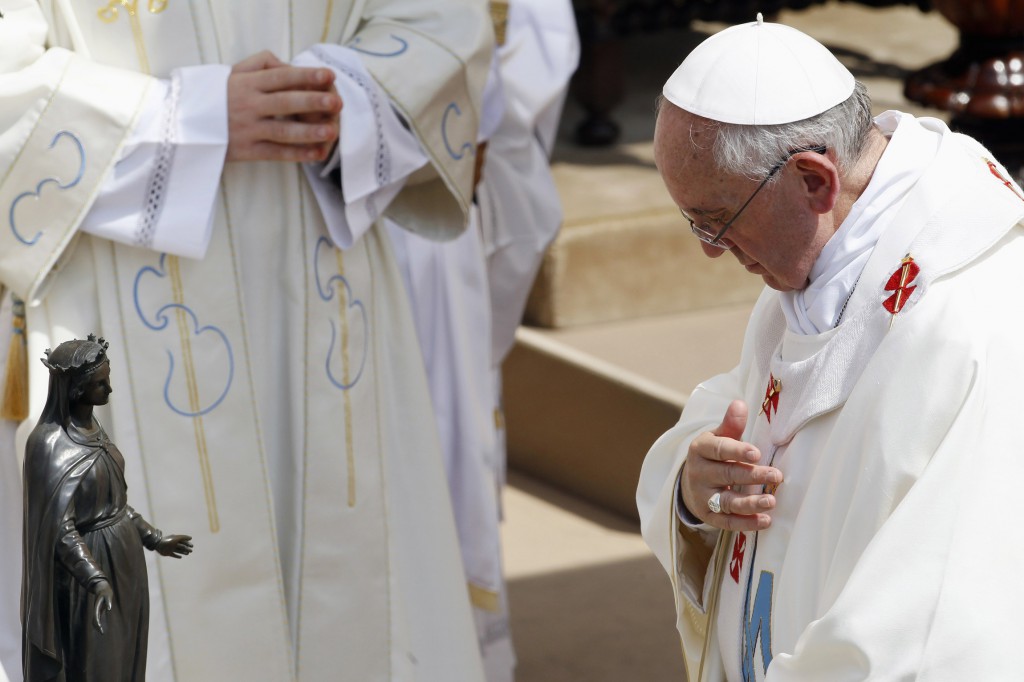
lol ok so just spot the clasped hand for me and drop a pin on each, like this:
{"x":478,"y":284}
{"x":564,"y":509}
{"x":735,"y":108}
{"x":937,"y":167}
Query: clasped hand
{"x":279,"y":112}
{"x":719,"y":462}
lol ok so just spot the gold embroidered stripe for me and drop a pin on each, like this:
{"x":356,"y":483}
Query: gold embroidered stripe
{"x":484,"y":599}
{"x":346,"y":378}
{"x":173,"y":267}
{"x":327,"y":21}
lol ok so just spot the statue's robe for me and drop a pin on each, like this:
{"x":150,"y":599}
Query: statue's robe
{"x":270,"y":395}
{"x":79,"y":529}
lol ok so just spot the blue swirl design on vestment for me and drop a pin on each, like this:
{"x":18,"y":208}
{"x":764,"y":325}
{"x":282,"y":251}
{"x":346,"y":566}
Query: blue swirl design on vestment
{"x":327,"y":290}
{"x":403,"y":47}
{"x":466,"y":146}
{"x":48,"y":181}
{"x":161,"y":320}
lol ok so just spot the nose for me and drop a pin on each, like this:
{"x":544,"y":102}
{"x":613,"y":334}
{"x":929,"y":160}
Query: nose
{"x":713,"y":251}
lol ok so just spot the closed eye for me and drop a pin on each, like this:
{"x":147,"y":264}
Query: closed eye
{"x":714,"y":219}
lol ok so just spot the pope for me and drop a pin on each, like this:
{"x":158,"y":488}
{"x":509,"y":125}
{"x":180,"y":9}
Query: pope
{"x":829,"y":509}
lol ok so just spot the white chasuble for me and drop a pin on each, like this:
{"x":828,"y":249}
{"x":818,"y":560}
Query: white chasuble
{"x":879,"y":563}
{"x":269,"y":397}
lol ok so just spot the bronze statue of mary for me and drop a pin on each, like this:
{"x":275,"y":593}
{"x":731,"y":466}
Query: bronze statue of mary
{"x":85,"y":595}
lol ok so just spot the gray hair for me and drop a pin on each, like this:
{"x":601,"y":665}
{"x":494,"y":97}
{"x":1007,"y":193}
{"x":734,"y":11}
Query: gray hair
{"x":753,"y":150}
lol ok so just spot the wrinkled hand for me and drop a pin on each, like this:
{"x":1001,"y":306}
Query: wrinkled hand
{"x":104,"y":602}
{"x":718,"y":462}
{"x":278,"y":112}
{"x":174,"y":546}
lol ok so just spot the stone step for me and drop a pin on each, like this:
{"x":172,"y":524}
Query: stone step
{"x":584,"y":405}
{"x":630,"y":266}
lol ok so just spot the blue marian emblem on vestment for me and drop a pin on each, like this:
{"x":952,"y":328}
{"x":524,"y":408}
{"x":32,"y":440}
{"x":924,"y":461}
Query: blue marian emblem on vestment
{"x":37,"y":193}
{"x":353,"y":310}
{"x":401,"y":48}
{"x":467,"y":147}
{"x":181,"y":387}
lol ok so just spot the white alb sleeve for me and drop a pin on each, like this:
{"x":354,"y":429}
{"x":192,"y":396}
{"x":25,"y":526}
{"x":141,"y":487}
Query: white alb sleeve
{"x":375,"y":154}
{"x":162,"y":191}
{"x":685,"y":517}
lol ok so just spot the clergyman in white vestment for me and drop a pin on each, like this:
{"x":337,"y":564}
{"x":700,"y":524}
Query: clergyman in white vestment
{"x":835,"y":507}
{"x":478,"y":283}
{"x":270,"y":396}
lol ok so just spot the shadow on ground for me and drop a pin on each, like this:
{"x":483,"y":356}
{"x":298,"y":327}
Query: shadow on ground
{"x":606,"y":623}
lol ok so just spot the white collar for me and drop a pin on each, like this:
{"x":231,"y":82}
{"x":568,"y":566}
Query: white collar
{"x":816,"y":308}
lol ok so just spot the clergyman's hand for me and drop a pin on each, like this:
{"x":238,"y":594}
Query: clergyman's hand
{"x":330,"y":117}
{"x":278,"y":112}
{"x":719,"y":462}
{"x":174,"y":546}
{"x":104,"y":601}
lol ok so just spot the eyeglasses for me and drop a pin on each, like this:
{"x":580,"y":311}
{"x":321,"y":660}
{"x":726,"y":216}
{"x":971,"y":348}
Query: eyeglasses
{"x":707,"y":235}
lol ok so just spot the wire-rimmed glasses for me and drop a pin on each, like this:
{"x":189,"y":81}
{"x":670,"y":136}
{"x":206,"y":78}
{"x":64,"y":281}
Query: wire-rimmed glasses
{"x":707,"y":235}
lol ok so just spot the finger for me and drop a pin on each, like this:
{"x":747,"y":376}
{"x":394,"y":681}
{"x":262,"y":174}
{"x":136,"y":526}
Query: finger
{"x":299,"y":102}
{"x":285,"y":131}
{"x":293,"y":78}
{"x":739,"y":523}
{"x":734,"y":421}
{"x":724,"y":449}
{"x":257,"y":62}
{"x":718,"y":475}
{"x":745,"y":505}
{"x":270,"y":151}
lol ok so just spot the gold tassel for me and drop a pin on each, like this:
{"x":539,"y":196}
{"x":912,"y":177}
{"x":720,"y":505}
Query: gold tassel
{"x":15,"y":403}
{"x":499,"y":17}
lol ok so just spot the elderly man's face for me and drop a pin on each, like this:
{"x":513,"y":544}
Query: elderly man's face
{"x":777,"y":236}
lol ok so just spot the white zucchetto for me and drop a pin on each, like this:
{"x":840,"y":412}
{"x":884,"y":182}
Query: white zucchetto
{"x":759,"y":74}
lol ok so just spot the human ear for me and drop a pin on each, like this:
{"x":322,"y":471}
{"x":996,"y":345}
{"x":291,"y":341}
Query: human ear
{"x":819,"y":179}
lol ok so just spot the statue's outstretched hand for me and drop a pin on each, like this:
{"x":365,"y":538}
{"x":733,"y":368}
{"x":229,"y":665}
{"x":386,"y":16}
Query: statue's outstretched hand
{"x":104,"y":601}
{"x":175,"y":546}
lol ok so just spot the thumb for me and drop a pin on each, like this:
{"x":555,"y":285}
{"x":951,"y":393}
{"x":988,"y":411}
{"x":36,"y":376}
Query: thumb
{"x":734,"y":421}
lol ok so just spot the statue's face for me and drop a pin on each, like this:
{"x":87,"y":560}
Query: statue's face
{"x":97,"y":390}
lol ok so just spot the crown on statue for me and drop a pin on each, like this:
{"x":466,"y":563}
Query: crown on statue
{"x":76,"y":355}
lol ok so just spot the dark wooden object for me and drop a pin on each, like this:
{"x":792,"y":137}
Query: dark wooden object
{"x":982,"y":82}
{"x":600,"y":84}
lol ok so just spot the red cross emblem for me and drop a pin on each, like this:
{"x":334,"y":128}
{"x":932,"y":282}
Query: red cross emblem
{"x":736,"y":563}
{"x":771,"y":397}
{"x":899,"y":283}
{"x":994,"y":169}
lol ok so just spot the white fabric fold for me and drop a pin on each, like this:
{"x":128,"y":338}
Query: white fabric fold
{"x":493,"y":108}
{"x":162,"y":190}
{"x":373,"y":166}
